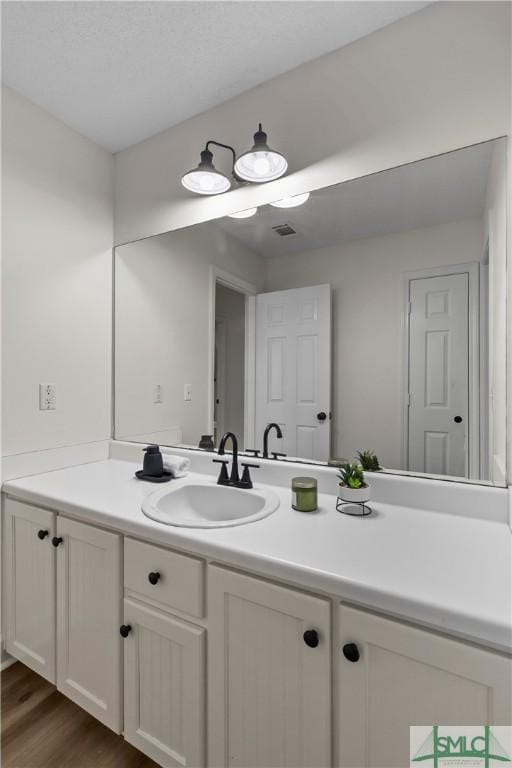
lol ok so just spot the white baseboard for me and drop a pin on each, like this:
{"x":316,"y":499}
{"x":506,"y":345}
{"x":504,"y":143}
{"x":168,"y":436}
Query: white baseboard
{"x":7,"y":661}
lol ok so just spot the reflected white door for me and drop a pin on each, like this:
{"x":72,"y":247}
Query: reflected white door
{"x":293,"y":369}
{"x":438,"y":374}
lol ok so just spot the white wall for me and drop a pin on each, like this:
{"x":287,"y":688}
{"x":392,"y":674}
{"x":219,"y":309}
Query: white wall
{"x":495,"y":232}
{"x":56,"y":281}
{"x":434,"y":81}
{"x":163,"y":315}
{"x":230,"y":309}
{"x":368,"y":303}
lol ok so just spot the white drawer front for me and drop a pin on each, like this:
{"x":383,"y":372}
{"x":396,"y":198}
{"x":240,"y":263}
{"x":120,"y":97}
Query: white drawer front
{"x":180,"y":581}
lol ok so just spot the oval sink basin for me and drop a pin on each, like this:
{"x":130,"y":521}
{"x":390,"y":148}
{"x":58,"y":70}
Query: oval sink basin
{"x":195,"y":505}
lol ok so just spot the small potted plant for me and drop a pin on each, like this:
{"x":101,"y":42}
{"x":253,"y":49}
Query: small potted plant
{"x":353,"y":487}
{"x":369,"y":461}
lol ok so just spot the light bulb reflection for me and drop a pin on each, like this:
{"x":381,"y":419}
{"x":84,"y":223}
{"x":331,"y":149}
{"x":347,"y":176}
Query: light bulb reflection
{"x":291,"y":202}
{"x":243,"y":214}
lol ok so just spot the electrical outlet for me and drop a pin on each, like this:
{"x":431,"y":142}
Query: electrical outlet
{"x":159,"y":396}
{"x":47,"y":397}
{"x":187,"y":392}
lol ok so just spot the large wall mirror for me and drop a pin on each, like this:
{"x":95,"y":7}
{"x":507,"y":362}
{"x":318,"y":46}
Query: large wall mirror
{"x":371,"y":317}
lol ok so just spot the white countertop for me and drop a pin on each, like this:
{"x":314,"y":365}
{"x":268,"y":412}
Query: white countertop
{"x":444,"y":571}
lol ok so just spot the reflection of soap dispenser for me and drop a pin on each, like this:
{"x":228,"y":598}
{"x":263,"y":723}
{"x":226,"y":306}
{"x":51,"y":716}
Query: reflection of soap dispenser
{"x":206,"y":443}
{"x":153,"y":463}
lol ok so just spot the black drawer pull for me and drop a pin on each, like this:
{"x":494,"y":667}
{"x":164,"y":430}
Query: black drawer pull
{"x":351,"y":652}
{"x":154,"y":577}
{"x":57,"y":540}
{"x":42,"y":534}
{"x":124,"y":630}
{"x":311,"y":638}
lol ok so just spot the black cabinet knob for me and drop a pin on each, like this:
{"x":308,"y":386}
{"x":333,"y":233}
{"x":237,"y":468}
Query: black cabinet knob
{"x":351,"y":652}
{"x":42,"y":534}
{"x":458,"y":419}
{"x":153,"y":577}
{"x":57,"y":540}
{"x":311,"y":638}
{"x":124,"y":630}
{"x":321,"y":416}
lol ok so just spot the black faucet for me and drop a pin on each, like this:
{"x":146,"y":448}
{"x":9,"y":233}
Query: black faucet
{"x":277,"y":428}
{"x":234,"y":478}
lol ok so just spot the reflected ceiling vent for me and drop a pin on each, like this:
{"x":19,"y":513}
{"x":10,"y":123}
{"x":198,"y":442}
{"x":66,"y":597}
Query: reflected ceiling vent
{"x":283,"y":230}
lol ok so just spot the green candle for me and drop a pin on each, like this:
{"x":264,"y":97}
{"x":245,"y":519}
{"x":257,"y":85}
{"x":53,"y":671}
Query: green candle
{"x":304,"y":494}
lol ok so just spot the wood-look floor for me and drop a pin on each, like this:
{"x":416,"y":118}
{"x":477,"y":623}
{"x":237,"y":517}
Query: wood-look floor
{"x":41,"y":728}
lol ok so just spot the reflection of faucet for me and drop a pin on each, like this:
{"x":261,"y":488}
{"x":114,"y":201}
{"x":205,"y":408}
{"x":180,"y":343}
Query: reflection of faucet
{"x":234,"y":478}
{"x":277,"y":428}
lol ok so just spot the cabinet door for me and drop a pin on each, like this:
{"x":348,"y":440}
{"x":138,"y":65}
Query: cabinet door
{"x":29,"y":574}
{"x":269,"y":693}
{"x":407,"y":676}
{"x":89,"y":601}
{"x":164,"y":694}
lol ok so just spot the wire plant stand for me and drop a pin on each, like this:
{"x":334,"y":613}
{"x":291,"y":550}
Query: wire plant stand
{"x":361,"y":508}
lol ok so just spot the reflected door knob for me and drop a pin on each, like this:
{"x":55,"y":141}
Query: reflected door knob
{"x":311,"y":638}
{"x":458,"y":419}
{"x":351,"y":652}
{"x":153,"y":577}
{"x":42,"y":534}
{"x":321,"y":416}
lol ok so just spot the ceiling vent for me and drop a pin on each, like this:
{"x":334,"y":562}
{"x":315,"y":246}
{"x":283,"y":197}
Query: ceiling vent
{"x":283,"y":230}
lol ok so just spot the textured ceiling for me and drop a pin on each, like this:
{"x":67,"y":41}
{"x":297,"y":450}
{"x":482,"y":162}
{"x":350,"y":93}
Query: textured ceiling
{"x":119,"y":72}
{"x":429,"y":192}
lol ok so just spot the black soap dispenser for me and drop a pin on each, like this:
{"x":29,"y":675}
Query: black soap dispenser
{"x":153,"y":466}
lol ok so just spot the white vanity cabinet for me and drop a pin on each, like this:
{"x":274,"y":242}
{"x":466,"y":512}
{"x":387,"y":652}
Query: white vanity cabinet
{"x":29,"y":586}
{"x":164,"y":686}
{"x":89,"y":592}
{"x":222,"y":668}
{"x":269,"y":692}
{"x":392,"y":675}
{"x":62,"y":607}
{"x":164,"y":655}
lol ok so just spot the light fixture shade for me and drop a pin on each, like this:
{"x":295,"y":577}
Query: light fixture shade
{"x":243,"y":214}
{"x":260,"y":163}
{"x":206,"y":179}
{"x":291,"y":202}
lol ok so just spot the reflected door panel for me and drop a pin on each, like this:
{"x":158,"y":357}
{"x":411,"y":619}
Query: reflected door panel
{"x":438,"y":375}
{"x":293,"y":369}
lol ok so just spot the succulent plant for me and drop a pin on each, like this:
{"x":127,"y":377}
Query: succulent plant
{"x":369,"y":461}
{"x":352,"y":476}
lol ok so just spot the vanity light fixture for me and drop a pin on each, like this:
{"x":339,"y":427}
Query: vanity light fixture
{"x":260,"y":163}
{"x":243,"y":214}
{"x":291,"y":202}
{"x":206,"y":179}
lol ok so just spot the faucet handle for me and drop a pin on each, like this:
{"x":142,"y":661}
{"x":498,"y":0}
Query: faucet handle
{"x":255,"y":452}
{"x":223,"y":478}
{"x":246,"y":481}
{"x":276,"y":455}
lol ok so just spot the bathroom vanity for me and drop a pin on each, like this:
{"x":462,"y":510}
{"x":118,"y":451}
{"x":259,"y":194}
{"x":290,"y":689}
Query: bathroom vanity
{"x":294,"y":640}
